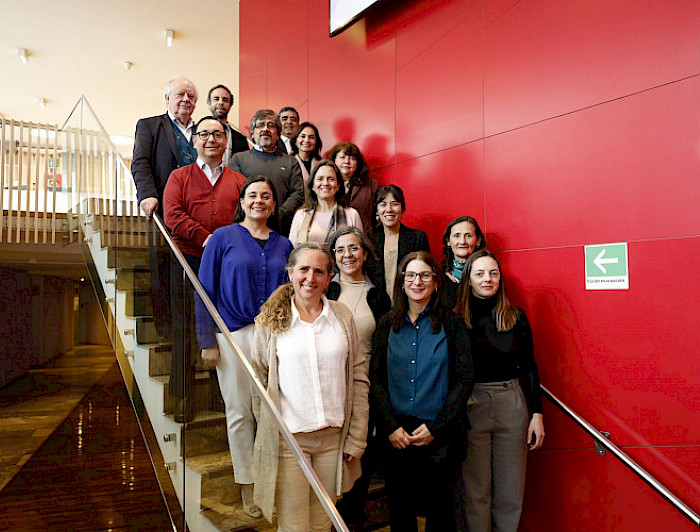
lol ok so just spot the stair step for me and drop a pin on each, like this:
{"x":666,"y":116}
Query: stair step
{"x":138,"y":303}
{"x":221,"y":496}
{"x":146,"y":332}
{"x":203,"y":438}
{"x":121,"y":257}
{"x":202,"y":395}
{"x":160,"y":359}
{"x":134,"y":278}
{"x":232,"y":518}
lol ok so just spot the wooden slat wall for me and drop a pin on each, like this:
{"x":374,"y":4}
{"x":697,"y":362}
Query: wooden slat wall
{"x":32,"y":200}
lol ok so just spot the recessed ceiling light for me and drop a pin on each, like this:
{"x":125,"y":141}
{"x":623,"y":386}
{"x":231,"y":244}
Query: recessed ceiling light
{"x":22,"y":54}
{"x":169,"y":34}
{"x":41,"y":102}
{"x":127,"y":65}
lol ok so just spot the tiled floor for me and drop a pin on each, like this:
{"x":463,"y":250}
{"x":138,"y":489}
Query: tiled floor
{"x":72,"y":455}
{"x":34,"y":405}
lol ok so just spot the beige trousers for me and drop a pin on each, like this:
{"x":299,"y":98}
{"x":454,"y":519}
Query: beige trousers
{"x":298,"y":508}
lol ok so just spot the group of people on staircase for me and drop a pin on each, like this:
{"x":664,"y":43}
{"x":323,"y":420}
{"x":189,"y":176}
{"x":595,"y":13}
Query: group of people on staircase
{"x":378,"y":358}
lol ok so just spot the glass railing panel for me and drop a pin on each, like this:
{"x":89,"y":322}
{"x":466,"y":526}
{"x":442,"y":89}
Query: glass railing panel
{"x":218,"y":424}
{"x":114,"y":240}
{"x":148,"y":302}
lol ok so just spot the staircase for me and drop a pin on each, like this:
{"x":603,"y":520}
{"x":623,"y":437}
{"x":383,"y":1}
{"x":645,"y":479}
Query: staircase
{"x":195,"y":453}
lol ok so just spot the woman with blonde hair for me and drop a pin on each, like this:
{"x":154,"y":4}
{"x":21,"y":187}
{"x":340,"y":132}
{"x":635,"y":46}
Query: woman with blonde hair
{"x":307,"y":355}
{"x":506,"y":387}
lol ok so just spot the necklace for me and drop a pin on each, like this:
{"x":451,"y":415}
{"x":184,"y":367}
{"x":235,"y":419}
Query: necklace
{"x":361,"y":292}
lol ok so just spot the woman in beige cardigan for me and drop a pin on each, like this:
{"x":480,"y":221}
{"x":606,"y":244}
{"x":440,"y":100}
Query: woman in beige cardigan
{"x":307,"y":355}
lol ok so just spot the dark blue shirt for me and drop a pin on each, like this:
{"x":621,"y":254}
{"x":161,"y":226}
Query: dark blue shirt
{"x":238,"y":275}
{"x":186,"y":153}
{"x":417,"y":367}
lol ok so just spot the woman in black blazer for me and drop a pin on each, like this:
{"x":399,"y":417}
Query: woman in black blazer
{"x":393,"y":240}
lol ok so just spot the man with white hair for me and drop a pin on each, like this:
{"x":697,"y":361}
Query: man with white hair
{"x":164,"y":143}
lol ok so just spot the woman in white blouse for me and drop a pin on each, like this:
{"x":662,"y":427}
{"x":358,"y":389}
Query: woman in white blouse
{"x":307,"y":355}
{"x":323,"y":211}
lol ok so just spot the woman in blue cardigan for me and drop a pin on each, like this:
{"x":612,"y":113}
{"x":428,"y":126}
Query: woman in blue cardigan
{"x":242,"y":264}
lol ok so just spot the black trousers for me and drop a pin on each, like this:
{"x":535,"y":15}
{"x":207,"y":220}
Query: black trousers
{"x":184,"y":341}
{"x":421,"y":481}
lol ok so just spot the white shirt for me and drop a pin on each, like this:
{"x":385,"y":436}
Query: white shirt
{"x":312,"y":376}
{"x":213,"y":174}
{"x":229,"y":142}
{"x":186,"y":130}
{"x":288,"y":143}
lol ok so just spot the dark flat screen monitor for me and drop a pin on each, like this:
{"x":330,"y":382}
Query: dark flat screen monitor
{"x":344,"y":13}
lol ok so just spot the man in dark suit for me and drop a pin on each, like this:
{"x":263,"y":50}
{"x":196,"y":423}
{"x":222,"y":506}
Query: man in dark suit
{"x":287,"y":121}
{"x":164,"y":143}
{"x":220,"y":101}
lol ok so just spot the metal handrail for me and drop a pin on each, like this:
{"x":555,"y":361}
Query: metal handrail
{"x":306,"y":467}
{"x":324,"y":498}
{"x":625,"y":459}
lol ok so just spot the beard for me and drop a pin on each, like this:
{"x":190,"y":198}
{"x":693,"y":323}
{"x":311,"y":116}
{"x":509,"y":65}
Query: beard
{"x":219,"y":114}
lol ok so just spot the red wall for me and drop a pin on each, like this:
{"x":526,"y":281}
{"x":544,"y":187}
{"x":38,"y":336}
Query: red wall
{"x":556,"y":124}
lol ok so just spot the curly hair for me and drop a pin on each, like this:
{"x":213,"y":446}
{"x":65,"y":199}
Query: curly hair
{"x":276,"y":312}
{"x":371,"y":259}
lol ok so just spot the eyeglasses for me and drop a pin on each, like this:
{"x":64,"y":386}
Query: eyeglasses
{"x":351,"y":248}
{"x":426,"y":276}
{"x":204,"y":135}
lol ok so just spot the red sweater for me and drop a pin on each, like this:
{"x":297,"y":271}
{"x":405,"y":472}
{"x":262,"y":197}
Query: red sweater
{"x":193,"y":209}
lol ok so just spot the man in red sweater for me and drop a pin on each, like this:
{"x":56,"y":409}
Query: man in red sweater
{"x":198,"y":199}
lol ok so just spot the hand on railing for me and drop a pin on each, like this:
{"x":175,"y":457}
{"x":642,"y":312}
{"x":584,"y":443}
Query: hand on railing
{"x":148,"y":205}
{"x":210,"y":355}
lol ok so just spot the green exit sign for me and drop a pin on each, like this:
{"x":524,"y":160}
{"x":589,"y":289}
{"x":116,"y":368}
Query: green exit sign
{"x":607,"y":267}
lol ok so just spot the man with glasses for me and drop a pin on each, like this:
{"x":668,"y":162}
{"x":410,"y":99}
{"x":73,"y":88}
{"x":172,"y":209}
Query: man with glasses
{"x":265,"y":159}
{"x":220,"y":101}
{"x":198,"y":199}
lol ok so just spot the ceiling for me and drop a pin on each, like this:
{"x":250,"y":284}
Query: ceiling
{"x":78,"y":47}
